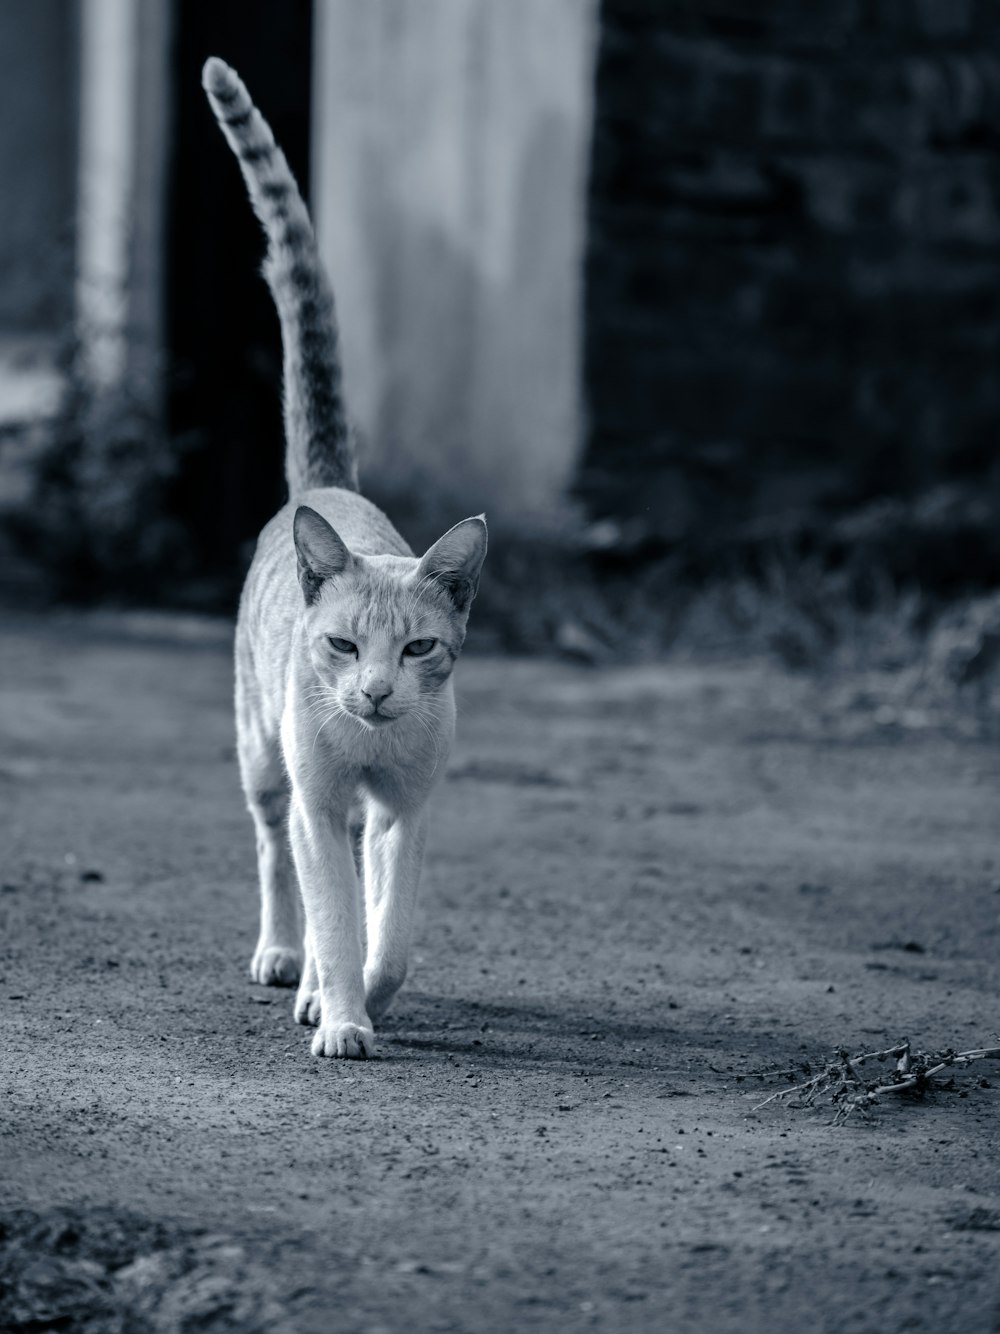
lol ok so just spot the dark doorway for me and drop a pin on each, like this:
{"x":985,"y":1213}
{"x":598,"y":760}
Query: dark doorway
{"x":223,"y":340}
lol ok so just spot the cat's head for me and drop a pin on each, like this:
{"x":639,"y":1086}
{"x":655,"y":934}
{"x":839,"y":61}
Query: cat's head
{"x":384,"y":631}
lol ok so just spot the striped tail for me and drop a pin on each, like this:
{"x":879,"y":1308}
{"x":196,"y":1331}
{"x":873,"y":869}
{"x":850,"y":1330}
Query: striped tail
{"x":319,"y":446}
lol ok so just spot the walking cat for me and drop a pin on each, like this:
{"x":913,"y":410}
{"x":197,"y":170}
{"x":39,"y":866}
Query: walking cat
{"x":345,"y":645}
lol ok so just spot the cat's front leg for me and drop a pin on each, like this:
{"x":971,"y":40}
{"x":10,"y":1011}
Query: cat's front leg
{"x":332,"y":901}
{"x":393,"y":855}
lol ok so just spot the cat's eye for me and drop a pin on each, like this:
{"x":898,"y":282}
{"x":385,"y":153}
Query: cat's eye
{"x":419,"y":648}
{"x":342,"y":645}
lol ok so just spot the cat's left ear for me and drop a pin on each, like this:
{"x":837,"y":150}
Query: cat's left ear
{"x":320,"y":549}
{"x":454,"y":561}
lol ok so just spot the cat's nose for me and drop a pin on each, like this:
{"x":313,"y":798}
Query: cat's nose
{"x":376,"y":692}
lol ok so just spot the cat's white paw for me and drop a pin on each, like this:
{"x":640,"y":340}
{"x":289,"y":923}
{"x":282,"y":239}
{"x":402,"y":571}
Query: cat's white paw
{"x":349,"y":1041}
{"x":307,"y":1008}
{"x":276,"y":966}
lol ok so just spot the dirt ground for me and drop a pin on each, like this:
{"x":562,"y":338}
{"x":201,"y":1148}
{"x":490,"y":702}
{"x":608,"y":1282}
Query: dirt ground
{"x":640,"y":883}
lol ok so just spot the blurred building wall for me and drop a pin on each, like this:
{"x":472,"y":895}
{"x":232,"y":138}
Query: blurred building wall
{"x":793,"y":275}
{"x":37,"y":163}
{"x":82,"y":153}
{"x":38,"y":79}
{"x":450,"y":151}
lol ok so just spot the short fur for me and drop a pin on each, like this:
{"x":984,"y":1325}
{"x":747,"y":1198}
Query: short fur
{"x":345,"y":645}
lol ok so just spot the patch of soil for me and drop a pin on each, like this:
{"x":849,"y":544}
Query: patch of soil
{"x":642,"y":883}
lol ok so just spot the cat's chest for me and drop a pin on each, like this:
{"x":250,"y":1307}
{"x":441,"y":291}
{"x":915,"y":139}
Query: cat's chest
{"x":338,"y":756}
{"x":391,"y":784}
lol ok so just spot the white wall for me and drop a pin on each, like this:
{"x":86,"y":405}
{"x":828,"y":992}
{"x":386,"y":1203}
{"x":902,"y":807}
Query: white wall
{"x":124,"y":115}
{"x":450,"y":155}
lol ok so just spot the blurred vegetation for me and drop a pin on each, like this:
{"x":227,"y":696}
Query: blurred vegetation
{"x":96,"y":525}
{"x":895,"y":607}
{"x":903,"y":595}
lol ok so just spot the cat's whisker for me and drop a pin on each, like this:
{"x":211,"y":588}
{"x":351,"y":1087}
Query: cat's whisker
{"x":346,"y":713}
{"x":328,"y":719}
{"x":421,"y":722}
{"x":321,"y":694}
{"x":318,"y":709}
{"x":426,"y":719}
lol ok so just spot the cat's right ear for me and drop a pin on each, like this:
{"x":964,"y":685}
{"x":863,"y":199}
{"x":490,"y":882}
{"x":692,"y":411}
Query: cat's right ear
{"x":320,"y":550}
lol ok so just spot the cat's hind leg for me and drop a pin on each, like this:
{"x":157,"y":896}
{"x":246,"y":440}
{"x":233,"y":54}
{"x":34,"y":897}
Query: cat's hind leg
{"x":308,"y":1009}
{"x":277,"y":960}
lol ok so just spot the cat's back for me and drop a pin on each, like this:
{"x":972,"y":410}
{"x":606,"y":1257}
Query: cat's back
{"x":362,"y":525}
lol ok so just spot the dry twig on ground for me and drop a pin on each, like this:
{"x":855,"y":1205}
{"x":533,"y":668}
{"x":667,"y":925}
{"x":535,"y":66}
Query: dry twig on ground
{"x":843,"y":1084}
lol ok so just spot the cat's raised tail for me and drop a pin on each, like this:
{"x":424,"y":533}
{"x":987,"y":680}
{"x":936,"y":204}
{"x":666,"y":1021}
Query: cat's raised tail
{"x":319,"y":446}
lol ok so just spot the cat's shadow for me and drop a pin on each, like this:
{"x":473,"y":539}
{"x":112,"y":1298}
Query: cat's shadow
{"x":513,"y":1035}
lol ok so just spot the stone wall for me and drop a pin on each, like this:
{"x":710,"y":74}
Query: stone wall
{"x":793,"y":276}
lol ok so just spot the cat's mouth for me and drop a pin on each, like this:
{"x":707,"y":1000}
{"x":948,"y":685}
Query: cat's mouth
{"x":377,"y":719}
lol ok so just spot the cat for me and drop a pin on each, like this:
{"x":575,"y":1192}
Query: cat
{"x":345,"y":645}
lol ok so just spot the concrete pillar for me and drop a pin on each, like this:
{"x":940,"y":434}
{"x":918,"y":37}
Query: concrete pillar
{"x":450,"y":152}
{"x":124,"y":112}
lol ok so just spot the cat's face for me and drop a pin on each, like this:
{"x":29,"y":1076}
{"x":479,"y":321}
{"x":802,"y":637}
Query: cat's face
{"x":384,"y":631}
